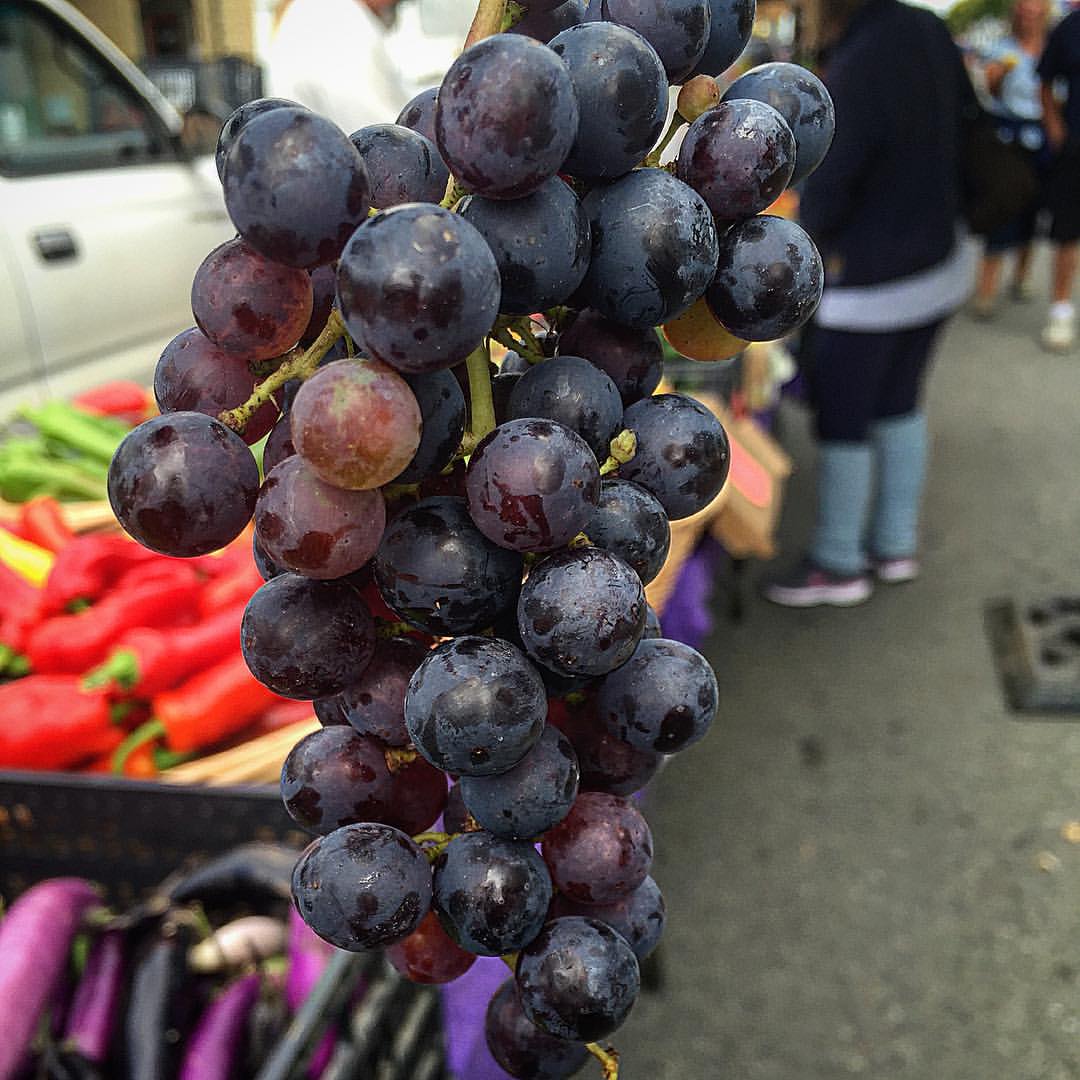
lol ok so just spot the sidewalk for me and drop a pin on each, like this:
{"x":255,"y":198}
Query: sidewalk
{"x":864,"y":864}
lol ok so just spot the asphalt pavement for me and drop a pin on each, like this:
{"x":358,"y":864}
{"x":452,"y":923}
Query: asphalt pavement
{"x":871,"y":865}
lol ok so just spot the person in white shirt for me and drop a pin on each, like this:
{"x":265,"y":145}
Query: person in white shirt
{"x":332,"y":56}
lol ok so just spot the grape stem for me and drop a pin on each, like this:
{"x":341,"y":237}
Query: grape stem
{"x":622,"y":449}
{"x":676,"y":125}
{"x":608,"y":1058}
{"x":398,"y":757}
{"x":488,"y":20}
{"x":433,"y":844}
{"x":294,"y":365}
{"x":517,"y":334}
{"x":481,"y":404}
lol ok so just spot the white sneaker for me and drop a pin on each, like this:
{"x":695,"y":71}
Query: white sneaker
{"x":1059,"y":334}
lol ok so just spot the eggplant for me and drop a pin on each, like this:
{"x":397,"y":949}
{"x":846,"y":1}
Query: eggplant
{"x":216,"y":1044}
{"x":35,"y":939}
{"x":95,"y":1007}
{"x":249,"y":870}
{"x":159,"y":1005}
{"x":248,"y":940}
{"x":308,"y":958}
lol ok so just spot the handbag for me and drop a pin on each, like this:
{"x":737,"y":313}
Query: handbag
{"x":998,"y":182}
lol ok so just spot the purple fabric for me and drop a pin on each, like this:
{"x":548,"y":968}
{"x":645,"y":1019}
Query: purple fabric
{"x":687,"y":616}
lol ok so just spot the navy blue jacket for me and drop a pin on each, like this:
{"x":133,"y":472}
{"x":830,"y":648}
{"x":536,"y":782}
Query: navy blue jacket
{"x":884,"y":202}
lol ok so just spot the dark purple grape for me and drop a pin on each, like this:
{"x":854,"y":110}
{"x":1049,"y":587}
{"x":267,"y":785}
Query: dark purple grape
{"x":246,"y":304}
{"x":237,"y":119}
{"x":652,"y":624}
{"x":429,"y":955}
{"x":362,"y":887}
{"x":419,"y":114}
{"x":490,"y":894}
{"x":183,"y":484}
{"x":263,"y":563}
{"x":279,"y":444}
{"x":356,"y":423}
{"x":769,"y":279}
{"x":442,"y":414}
{"x":376,"y":704}
{"x":677,"y":29}
{"x":633,"y":358}
{"x":521,"y":1048}
{"x":402,"y":165}
{"x":638,"y":918}
{"x":682,"y":454}
{"x":195,"y":375}
{"x":541,"y":244}
{"x":437,"y":304}
{"x":530,"y":798}
{"x":328,"y":710}
{"x":324,"y":293}
{"x":607,"y":763}
{"x":307,"y":639}
{"x":663,"y":698}
{"x":475,"y":706}
{"x":801,"y":99}
{"x":732,"y":25}
{"x":502,"y":389}
{"x":314,"y":529}
{"x":532,"y":485}
{"x":440,"y":573}
{"x":419,"y":796}
{"x":572,"y":392}
{"x":295,"y":187}
{"x":581,"y":612}
{"x":601,"y":850}
{"x":622,"y":94}
{"x":335,"y":777}
{"x":631,"y":523}
{"x":544,"y":25}
{"x":738,"y":157}
{"x":654,"y":248}
{"x":506,"y":116}
{"x":578,"y":980}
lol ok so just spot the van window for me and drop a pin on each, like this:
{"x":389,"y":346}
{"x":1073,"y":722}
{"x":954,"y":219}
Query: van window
{"x":62,"y":107}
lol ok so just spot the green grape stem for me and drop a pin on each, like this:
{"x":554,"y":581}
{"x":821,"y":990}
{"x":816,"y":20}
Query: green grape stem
{"x":516,"y":333}
{"x":294,"y":365}
{"x":481,"y":404}
{"x":653,"y":159}
{"x":608,"y":1058}
{"x":622,"y":448}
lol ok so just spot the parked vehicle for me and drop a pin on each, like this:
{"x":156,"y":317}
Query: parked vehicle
{"x":106,"y":208}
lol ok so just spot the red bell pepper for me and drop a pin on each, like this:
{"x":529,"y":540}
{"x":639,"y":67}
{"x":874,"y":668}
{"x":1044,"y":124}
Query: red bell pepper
{"x":230,"y":589}
{"x":203,"y":711}
{"x":50,"y":722}
{"x":20,"y":609}
{"x":43,"y":523}
{"x":148,"y":660}
{"x":121,"y":398}
{"x":76,"y":643}
{"x":88,"y":567}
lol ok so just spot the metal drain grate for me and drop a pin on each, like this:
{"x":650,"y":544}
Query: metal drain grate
{"x":1036,"y":647}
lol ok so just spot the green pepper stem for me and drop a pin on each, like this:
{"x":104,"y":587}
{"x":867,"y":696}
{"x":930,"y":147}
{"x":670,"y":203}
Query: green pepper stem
{"x":146,"y":733}
{"x":121,"y":670}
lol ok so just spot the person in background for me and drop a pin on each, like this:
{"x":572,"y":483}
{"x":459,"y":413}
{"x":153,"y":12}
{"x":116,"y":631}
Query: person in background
{"x":1060,"y":64}
{"x":332,"y":56}
{"x":1013,"y":83}
{"x":883,"y":209}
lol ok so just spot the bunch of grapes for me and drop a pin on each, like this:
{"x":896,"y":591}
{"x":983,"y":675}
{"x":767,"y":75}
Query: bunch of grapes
{"x":455,"y":553}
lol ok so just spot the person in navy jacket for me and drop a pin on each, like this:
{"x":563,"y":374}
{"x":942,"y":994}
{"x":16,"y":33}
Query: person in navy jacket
{"x":883,"y":208}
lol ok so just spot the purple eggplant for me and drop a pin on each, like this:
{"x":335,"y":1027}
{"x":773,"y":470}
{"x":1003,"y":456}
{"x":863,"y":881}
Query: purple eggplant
{"x":216,"y":1043}
{"x":308,"y":957}
{"x":95,"y":1007}
{"x":35,"y":938}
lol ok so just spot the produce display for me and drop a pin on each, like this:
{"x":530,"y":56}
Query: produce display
{"x":476,"y":649}
{"x":212,"y":976}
